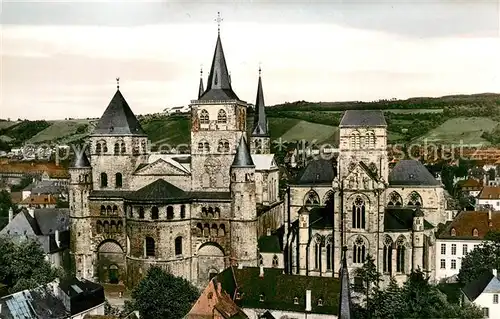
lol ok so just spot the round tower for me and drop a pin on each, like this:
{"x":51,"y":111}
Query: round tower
{"x":244,"y":220}
{"x":418,"y":238}
{"x":303,"y":239}
{"x":80,"y":225}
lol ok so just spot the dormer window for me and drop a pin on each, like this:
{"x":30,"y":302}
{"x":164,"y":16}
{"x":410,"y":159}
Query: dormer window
{"x":475,"y":232}
{"x":296,"y":301}
{"x":453,"y":232}
{"x":261,"y":297}
{"x":320,"y":302}
{"x":238,"y":296}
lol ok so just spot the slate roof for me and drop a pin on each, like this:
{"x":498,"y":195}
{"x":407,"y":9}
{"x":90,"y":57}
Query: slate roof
{"x":118,"y":119}
{"x":320,"y":171}
{"x":49,"y":187}
{"x":80,"y":160}
{"x":473,"y":289}
{"x":194,"y":196}
{"x":466,"y":221}
{"x":355,"y":118}
{"x":279,"y":290}
{"x":159,"y":190}
{"x":401,"y":219}
{"x":242,"y":157}
{"x":219,"y":81}
{"x":260,"y":124}
{"x":269,"y":244}
{"x":411,"y":172}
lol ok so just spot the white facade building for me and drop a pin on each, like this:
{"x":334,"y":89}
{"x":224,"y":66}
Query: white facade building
{"x":484,"y":293}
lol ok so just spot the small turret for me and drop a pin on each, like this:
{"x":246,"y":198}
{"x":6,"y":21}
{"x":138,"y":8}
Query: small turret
{"x":201,"y":89}
{"x":345,"y":292}
{"x":418,"y":238}
{"x":260,"y":140}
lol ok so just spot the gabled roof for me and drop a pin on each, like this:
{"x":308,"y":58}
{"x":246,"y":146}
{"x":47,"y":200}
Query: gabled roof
{"x":411,"y":172}
{"x":465,"y":223}
{"x":356,"y":118}
{"x":260,"y":124}
{"x":118,"y":119}
{"x":242,"y":157}
{"x":476,"y":287}
{"x":80,"y":160}
{"x":158,"y":191}
{"x":219,"y":82}
{"x":489,"y":192}
{"x":320,"y":171}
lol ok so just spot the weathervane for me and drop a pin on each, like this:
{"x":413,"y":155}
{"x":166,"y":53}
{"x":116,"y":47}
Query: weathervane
{"x":218,"y":20}
{"x":201,"y":70}
{"x":118,"y":83}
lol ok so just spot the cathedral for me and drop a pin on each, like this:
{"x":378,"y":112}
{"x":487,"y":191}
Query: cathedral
{"x":194,"y":215}
{"x":219,"y":206}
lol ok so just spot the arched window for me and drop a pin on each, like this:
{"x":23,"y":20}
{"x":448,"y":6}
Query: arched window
{"x":108,"y":210}
{"x":104,"y":180}
{"x":329,"y":256}
{"x":275,"y":261}
{"x":141,"y":212}
{"x":117,"y":148}
{"x":104,"y":147}
{"x":312,"y":199}
{"x":395,"y":199}
{"x":99,"y":227}
{"x":206,"y":230}
{"x":261,"y":260}
{"x":453,"y":232}
{"x":317,"y":253}
{"x":103,"y":210}
{"x":414,"y":199}
{"x":106,"y":226}
{"x":226,"y":147}
{"x":387,"y":267}
{"x":221,"y":117}
{"x":200,"y":147}
{"x":214,"y":231}
{"x":170,"y":212}
{"x":210,"y":212}
{"x":295,"y":300}
{"x":118,"y":180}
{"x":143,"y":145}
{"x":358,"y":214}
{"x":119,"y":226}
{"x":217,"y":212}
{"x":359,"y":251}
{"x":222,"y":230}
{"x":113,"y":226}
{"x":355,"y":140}
{"x":183,"y":211}
{"x":149,"y":248}
{"x":475,"y":232}
{"x":178,"y":246}
{"x":204,"y":117}
{"x":206,"y":147}
{"x":123,"y":148}
{"x":370,"y":139}
{"x":154,"y":213}
{"x":115,"y":209}
{"x":400,"y":255}
{"x":98,"y":148}
{"x":199,"y":229}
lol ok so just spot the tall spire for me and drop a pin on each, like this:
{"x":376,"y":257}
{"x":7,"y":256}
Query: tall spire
{"x":200,"y":89}
{"x":242,"y":157}
{"x":345,"y":293}
{"x":219,"y":82}
{"x":260,"y":124}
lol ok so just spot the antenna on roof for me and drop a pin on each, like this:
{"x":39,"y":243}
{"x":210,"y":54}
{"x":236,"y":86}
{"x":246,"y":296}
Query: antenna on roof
{"x":118,"y":83}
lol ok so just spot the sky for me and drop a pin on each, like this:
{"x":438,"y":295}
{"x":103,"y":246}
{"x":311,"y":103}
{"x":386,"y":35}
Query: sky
{"x":60,"y":59}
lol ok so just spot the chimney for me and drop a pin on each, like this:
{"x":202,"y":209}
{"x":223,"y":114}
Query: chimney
{"x":495,"y":273}
{"x":261,"y":272}
{"x":11,"y":214}
{"x":58,"y":242}
{"x":308,"y":300}
{"x":31,"y":210}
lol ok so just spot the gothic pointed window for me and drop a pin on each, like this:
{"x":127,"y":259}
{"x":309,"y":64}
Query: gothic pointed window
{"x":275,"y":261}
{"x":312,"y":199}
{"x":123,"y":148}
{"x":204,"y":117}
{"x":358,"y":214}
{"x":103,"y":210}
{"x":261,"y":260}
{"x":329,"y":255}
{"x":475,"y":233}
{"x":98,"y":148}
{"x":387,"y":264}
{"x":221,"y":117}
{"x":395,"y":199}
{"x":414,"y":199}
{"x":317,"y":253}
{"x":104,"y":147}
{"x":117,"y":149}
{"x":359,"y":251}
{"x":400,"y":255}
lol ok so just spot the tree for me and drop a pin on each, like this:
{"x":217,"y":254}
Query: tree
{"x":483,"y":258}
{"x":23,"y":265}
{"x":370,"y":277}
{"x":5,"y":205}
{"x":162,"y":295}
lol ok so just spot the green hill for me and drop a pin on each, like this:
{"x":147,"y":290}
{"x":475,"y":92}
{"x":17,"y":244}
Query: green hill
{"x":449,"y":119}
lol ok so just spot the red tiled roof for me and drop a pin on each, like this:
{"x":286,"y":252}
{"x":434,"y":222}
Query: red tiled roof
{"x":464,"y":224}
{"x":39,"y":200}
{"x":490,"y":192}
{"x":54,"y":171}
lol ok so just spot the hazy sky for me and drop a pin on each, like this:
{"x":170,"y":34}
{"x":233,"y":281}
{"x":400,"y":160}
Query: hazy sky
{"x":60,"y":59}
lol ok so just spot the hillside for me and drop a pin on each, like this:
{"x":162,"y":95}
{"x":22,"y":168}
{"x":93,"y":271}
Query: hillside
{"x":449,"y":119}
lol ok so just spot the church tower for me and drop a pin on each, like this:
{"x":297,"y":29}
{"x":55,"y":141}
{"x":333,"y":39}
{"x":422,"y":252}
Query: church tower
{"x":218,"y":122}
{"x":260,"y":141}
{"x":79,"y":189}
{"x":244,"y":211}
{"x":118,"y":146}
{"x":418,"y":239}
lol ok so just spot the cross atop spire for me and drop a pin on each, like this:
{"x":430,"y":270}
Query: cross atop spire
{"x":118,"y":83}
{"x":218,"y":20}
{"x":260,"y":68}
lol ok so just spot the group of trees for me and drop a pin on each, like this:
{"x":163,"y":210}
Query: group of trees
{"x":5,"y":205}
{"x":481,"y":259}
{"x":416,"y":298}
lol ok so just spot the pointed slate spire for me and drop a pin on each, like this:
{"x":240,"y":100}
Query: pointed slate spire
{"x":345,"y":293}
{"x":260,"y":124}
{"x":219,"y":81}
{"x":80,"y":160}
{"x":242,"y":157}
{"x":118,"y":119}
{"x":201,"y":89}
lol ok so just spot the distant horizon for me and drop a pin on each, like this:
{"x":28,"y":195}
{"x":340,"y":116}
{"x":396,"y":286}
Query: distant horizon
{"x":60,"y":59}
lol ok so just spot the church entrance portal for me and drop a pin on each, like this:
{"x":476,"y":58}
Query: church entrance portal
{"x":113,"y":274}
